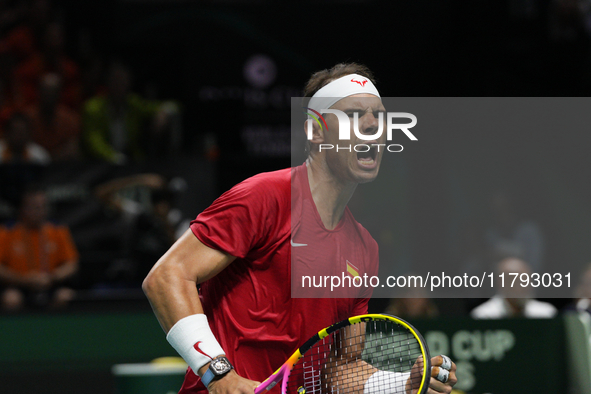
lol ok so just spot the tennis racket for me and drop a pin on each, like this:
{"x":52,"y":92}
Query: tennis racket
{"x":373,"y":353}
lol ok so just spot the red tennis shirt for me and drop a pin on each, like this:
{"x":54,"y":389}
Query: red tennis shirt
{"x":249,"y":304}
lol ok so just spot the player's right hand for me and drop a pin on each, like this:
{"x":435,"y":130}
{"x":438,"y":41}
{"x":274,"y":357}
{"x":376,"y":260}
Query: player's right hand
{"x":232,"y":383}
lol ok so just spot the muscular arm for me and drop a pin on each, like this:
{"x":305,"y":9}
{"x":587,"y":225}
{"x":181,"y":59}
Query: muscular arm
{"x":345,"y":370}
{"x":171,"y":285}
{"x":171,"y":288}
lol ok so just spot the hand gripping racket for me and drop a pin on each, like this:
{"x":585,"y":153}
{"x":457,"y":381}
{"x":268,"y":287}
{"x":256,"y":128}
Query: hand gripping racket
{"x":367,"y":354}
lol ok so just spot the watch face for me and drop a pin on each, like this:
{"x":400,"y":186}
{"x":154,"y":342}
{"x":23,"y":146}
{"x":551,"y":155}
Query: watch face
{"x":220,"y":366}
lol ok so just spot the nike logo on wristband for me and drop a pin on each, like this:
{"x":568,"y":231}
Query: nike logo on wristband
{"x":196,"y":346}
{"x":296,"y":244}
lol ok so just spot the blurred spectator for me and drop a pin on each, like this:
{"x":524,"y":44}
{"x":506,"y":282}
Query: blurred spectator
{"x":23,"y":24}
{"x":30,"y":21}
{"x":153,"y":234}
{"x":130,"y":195}
{"x":513,"y":301}
{"x":121,"y":125}
{"x":413,"y":304}
{"x":51,"y":59}
{"x":141,"y":194}
{"x":146,"y":203}
{"x":54,"y":126}
{"x":582,"y":301}
{"x":511,"y":236}
{"x":17,"y":146}
{"x":36,"y":258}
{"x":21,"y":162}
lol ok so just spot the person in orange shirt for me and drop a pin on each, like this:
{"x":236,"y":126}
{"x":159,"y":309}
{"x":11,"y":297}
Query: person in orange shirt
{"x":36,"y":258}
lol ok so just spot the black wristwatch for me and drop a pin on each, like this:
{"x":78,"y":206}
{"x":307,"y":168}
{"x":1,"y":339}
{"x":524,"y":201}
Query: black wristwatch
{"x":218,"y":367}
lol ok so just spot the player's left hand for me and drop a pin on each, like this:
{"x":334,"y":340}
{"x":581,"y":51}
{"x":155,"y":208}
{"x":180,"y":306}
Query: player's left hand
{"x":440,"y":369}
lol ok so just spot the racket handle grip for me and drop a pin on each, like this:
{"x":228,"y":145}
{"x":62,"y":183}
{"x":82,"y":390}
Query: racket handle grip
{"x":271,"y":381}
{"x":266,"y":385}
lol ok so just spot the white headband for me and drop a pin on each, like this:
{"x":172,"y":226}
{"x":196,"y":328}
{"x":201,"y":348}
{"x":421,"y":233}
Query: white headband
{"x":339,"y":89}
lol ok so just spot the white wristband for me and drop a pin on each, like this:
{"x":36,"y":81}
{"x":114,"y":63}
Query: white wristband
{"x":384,"y":381}
{"x":193,"y":340}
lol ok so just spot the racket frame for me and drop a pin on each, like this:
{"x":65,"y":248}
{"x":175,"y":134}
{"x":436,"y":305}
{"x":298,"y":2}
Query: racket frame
{"x":282,"y":374}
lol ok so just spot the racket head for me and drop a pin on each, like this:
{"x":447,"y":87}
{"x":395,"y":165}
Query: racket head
{"x":343,"y":357}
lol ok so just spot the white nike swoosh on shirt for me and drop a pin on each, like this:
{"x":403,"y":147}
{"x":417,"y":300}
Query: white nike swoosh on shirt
{"x":296,"y":244}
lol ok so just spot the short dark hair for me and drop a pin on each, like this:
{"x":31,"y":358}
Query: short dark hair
{"x":322,"y":78}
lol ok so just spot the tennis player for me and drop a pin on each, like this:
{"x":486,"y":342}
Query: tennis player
{"x":244,"y":323}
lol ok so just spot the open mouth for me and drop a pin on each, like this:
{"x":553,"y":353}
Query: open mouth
{"x":367,"y":158}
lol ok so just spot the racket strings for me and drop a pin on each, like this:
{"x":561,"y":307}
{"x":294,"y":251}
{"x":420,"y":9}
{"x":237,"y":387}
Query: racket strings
{"x":363,"y":358}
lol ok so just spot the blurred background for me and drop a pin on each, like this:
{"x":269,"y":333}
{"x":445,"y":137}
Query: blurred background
{"x":121,"y":120}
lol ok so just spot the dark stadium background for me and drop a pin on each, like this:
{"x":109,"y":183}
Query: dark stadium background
{"x":195,"y":53}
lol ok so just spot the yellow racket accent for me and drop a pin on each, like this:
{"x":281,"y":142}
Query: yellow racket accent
{"x":360,"y":318}
{"x":284,"y":372}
